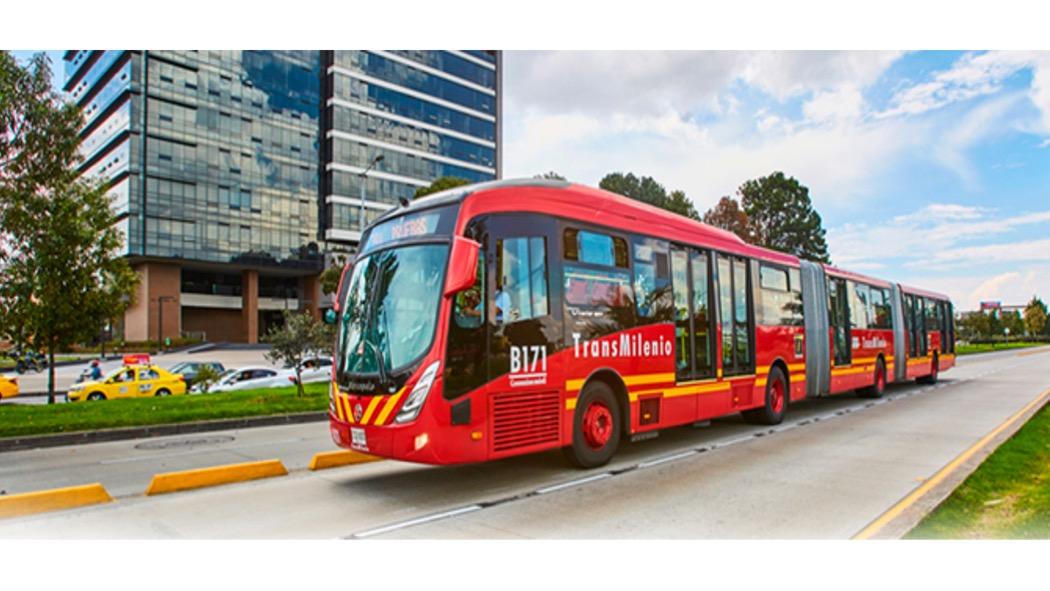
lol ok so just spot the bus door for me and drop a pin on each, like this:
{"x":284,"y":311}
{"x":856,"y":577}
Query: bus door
{"x":838,"y":319}
{"x":917,"y":338}
{"x":524,"y":333}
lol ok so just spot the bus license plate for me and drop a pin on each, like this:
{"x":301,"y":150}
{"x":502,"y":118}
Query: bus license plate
{"x":357,"y":438}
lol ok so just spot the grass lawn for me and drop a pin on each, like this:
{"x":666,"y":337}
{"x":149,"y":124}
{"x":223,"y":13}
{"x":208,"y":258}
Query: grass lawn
{"x":21,"y":420}
{"x":1008,"y":496}
{"x":986,"y":347}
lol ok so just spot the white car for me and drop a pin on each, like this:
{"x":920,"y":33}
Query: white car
{"x":314,"y":369}
{"x":246,"y":378}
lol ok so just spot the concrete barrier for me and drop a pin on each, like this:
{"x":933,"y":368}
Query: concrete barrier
{"x":334,"y":459}
{"x":169,"y":482}
{"x":54,"y":499}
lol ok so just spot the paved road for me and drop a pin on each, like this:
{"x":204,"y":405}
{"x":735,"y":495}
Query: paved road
{"x":812,"y":478}
{"x":67,"y":374}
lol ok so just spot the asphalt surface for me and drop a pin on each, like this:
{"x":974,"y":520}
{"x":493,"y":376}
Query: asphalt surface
{"x":832,"y":467}
{"x":66,"y":375}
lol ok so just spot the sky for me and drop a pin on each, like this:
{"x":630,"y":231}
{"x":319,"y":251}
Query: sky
{"x":928,"y":168}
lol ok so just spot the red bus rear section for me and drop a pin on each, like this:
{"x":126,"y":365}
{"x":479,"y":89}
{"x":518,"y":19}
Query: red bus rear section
{"x":513,"y":317}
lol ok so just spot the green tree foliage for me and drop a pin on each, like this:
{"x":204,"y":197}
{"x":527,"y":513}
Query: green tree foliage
{"x":440,"y":184}
{"x":728,"y":215}
{"x":206,"y":376}
{"x":330,"y":276}
{"x":1014,"y":322}
{"x":1035,"y":317}
{"x":62,"y":276}
{"x":647,"y":190}
{"x":299,"y":336}
{"x":550,"y":176}
{"x":782,"y":217}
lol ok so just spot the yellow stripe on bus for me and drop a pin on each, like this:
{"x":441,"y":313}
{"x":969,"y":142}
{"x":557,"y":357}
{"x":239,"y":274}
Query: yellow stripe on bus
{"x":388,"y":407}
{"x":371,"y":408}
{"x":796,"y":366}
{"x":848,"y":371}
{"x":636,"y":380}
{"x":347,"y":411}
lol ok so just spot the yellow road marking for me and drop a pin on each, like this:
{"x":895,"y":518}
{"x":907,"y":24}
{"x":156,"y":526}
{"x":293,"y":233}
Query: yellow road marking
{"x":201,"y":477}
{"x":875,"y":526}
{"x":54,"y":499}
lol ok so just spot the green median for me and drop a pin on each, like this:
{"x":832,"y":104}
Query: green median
{"x":23,"y":420}
{"x":1007,"y":497}
{"x":969,"y":349}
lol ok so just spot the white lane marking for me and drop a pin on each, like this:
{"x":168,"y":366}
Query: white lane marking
{"x":417,"y":521}
{"x":665,"y":459}
{"x":572,"y":483}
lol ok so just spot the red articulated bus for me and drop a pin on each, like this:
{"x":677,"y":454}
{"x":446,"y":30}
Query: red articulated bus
{"x":512,"y":317}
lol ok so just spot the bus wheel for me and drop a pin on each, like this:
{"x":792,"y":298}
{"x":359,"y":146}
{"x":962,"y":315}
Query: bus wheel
{"x":932,"y":378}
{"x":595,"y":427}
{"x":879,"y":387}
{"x":772,"y":412}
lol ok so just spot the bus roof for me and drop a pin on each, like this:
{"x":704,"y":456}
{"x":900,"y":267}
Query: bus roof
{"x":587,"y":204}
{"x":837,"y":272}
{"x":925,"y":293}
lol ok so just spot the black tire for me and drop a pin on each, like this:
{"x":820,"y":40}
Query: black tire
{"x":163,"y":392}
{"x":932,"y":378}
{"x":594,"y":443}
{"x":879,"y":387}
{"x":96,"y":396}
{"x":20,"y":367}
{"x":772,"y":412}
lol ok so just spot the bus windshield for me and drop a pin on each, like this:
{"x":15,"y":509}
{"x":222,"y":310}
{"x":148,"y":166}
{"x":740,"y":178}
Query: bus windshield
{"x":389,"y":310}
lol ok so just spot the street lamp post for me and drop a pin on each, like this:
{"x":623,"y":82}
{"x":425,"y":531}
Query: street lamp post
{"x":364,"y":177}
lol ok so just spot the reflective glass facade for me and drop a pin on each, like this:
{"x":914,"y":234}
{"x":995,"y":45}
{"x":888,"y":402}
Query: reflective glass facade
{"x":427,"y":113}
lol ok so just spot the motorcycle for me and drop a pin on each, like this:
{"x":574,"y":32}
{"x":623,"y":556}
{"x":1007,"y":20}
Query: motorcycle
{"x":28,"y":360}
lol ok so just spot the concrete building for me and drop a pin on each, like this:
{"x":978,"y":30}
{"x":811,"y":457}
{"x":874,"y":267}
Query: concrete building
{"x":234,"y":173}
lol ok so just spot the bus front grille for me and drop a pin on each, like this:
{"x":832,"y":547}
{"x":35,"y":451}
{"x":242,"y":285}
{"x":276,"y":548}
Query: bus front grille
{"x":525,"y":420}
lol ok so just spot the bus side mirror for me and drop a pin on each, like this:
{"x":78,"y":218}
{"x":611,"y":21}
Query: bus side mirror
{"x":329,"y":316}
{"x":462,"y":265}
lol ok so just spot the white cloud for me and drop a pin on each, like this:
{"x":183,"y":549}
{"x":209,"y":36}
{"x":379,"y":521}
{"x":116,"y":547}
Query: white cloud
{"x":842,"y":104}
{"x":976,"y":75}
{"x":1010,"y":287}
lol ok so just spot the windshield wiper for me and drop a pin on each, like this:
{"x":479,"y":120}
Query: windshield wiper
{"x":380,"y":365}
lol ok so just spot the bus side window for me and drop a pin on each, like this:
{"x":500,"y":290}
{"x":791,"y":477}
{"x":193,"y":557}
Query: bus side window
{"x":652,"y":281}
{"x":521,"y":285}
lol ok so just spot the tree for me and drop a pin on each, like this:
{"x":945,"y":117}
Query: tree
{"x":330,"y":276}
{"x":299,"y":336}
{"x":62,"y":272}
{"x":728,"y":215}
{"x":782,"y":217}
{"x":647,"y":190}
{"x":1014,"y":322}
{"x":441,"y":184}
{"x":1035,"y":317}
{"x":549,"y":176}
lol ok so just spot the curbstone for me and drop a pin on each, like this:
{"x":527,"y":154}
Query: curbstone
{"x":54,"y":499}
{"x":170,"y":482}
{"x":343,"y":457}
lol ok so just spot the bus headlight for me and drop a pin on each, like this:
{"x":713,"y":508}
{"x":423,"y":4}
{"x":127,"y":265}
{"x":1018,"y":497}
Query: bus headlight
{"x":414,"y":402}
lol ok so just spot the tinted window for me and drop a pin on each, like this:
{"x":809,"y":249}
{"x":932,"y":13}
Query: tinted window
{"x":521,"y":286}
{"x":594,"y":248}
{"x":779,"y":297}
{"x":652,"y":281}
{"x":703,"y":356}
{"x":858,"y":305}
{"x":680,"y":281}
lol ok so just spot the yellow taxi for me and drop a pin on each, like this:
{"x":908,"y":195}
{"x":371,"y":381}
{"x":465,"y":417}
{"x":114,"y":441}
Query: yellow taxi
{"x":130,"y":381}
{"x":8,"y":387}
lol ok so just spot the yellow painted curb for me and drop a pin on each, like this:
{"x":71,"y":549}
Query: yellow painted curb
{"x":334,"y":459}
{"x":169,"y":482}
{"x":53,"y":500}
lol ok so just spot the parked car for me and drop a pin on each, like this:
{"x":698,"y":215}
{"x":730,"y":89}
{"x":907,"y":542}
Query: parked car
{"x":8,"y":387}
{"x":190,"y":369}
{"x":314,"y":369}
{"x":246,"y":378}
{"x":130,"y":381}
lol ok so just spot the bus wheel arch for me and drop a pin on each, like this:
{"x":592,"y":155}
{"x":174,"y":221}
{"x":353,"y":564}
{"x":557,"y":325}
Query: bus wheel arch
{"x":780,"y":364}
{"x":877,"y":389}
{"x":772,"y":410}
{"x":602,"y":398}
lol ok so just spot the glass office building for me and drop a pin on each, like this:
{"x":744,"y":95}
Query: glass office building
{"x":234,"y":173}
